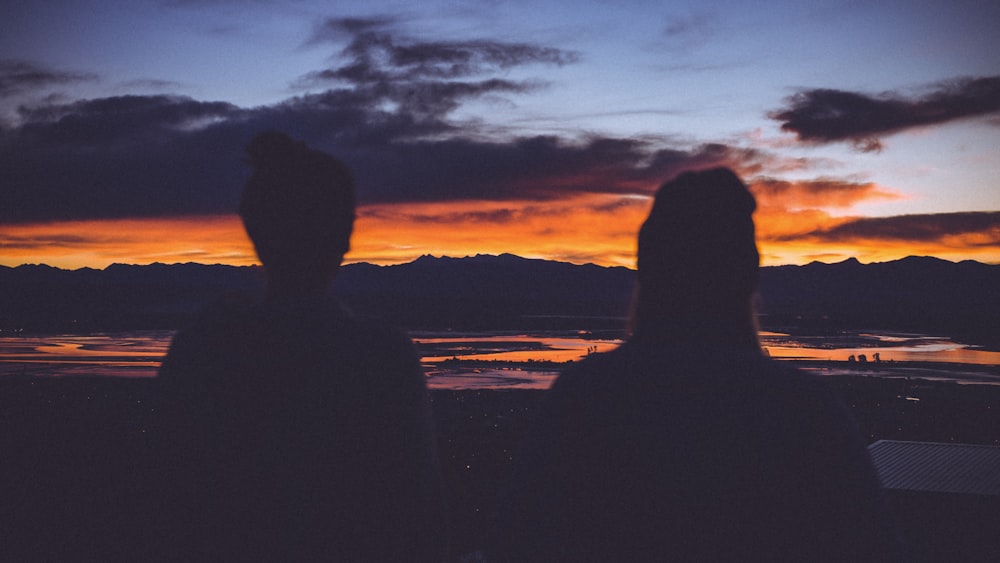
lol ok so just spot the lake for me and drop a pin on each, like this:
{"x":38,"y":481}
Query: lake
{"x":517,"y":360}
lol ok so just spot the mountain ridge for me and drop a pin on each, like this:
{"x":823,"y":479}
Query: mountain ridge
{"x":919,"y":293}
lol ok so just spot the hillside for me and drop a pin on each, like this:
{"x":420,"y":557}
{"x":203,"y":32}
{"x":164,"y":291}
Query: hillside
{"x":491,"y":292}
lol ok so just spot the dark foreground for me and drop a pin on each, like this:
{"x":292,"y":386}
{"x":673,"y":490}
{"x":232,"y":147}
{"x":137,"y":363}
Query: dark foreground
{"x":480,"y":432}
{"x":79,"y":477}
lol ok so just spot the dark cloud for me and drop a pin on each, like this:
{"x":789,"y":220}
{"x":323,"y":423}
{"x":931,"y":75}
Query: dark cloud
{"x":406,"y":57}
{"x":17,"y":76}
{"x":978,"y":228}
{"x":336,"y":30}
{"x":538,"y":168}
{"x":119,"y":157}
{"x":122,"y":119}
{"x":424,"y":78}
{"x":823,"y":115}
{"x":145,"y":156}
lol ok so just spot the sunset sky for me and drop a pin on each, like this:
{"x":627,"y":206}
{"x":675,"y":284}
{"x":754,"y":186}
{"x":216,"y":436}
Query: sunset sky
{"x":539,"y":128}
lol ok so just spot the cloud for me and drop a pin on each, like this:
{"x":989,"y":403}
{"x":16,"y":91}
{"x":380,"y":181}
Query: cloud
{"x":802,"y":235}
{"x":15,"y":243}
{"x":154,"y":84}
{"x":537,"y":168}
{"x":140,"y":156}
{"x":976,"y":228}
{"x":691,"y":30}
{"x":583,"y":228}
{"x":379,"y":37}
{"x":826,"y":115}
{"x":18,"y":76}
{"x":97,"y":243}
{"x":817,"y":193}
{"x":164,"y":156}
{"x":428,"y":79}
{"x":793,"y":212}
{"x":120,"y":119}
{"x":478,"y":213}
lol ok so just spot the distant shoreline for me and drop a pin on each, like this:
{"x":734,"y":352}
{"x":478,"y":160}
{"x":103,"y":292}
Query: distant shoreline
{"x":923,"y":295}
{"x":909,"y":370}
{"x":962,"y":374}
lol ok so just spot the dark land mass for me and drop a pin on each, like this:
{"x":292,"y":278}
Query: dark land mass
{"x":919,"y":294}
{"x":80,"y":454}
{"x":916,"y":294}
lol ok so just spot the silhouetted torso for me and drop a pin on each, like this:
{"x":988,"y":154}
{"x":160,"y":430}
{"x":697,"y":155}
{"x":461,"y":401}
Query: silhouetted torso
{"x":299,"y":432}
{"x":688,"y":452}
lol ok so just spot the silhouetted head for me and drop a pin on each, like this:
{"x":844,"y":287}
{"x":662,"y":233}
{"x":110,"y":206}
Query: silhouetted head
{"x":698,"y":261}
{"x":298,"y":208}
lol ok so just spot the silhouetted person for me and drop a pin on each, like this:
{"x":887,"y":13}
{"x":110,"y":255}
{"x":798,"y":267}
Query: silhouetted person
{"x":298,"y":432}
{"x":686,"y":443}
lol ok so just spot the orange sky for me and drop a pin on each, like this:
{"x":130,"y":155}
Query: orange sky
{"x":599,"y":228}
{"x":874,"y":137}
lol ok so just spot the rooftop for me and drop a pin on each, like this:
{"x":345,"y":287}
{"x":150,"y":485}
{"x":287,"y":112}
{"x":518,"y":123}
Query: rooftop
{"x":937,"y":467}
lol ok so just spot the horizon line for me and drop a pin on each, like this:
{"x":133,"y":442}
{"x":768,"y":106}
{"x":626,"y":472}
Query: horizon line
{"x":851,"y":259}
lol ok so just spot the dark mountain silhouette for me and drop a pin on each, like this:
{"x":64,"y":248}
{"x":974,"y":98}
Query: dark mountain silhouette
{"x":494,"y":292}
{"x":42,"y":298}
{"x":488,"y":292}
{"x":923,"y":294}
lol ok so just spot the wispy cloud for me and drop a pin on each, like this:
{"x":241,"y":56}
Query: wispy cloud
{"x":975,"y":228}
{"x":817,"y":193}
{"x":97,"y":243}
{"x":106,"y":122}
{"x":18,"y":76}
{"x":691,"y":30}
{"x":425,"y":79}
{"x":581,"y":228}
{"x":154,"y":84}
{"x":826,"y":115}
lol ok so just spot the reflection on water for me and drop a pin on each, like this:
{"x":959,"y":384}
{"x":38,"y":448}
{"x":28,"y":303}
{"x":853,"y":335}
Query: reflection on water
{"x":495,"y":378}
{"x":510,"y":347}
{"x":895,"y":347}
{"x":131,"y":354}
{"x":483,"y":360}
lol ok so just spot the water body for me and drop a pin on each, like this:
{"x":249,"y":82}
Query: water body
{"x":899,"y":347}
{"x":122,"y":354}
{"x":488,"y":360}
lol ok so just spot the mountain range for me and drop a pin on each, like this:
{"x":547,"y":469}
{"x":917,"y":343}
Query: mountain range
{"x":920,"y":294}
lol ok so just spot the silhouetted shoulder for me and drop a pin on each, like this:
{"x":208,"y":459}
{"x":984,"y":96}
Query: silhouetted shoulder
{"x":319,"y":336}
{"x":315,"y":418}
{"x":701,"y":453}
{"x":636,"y":367}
